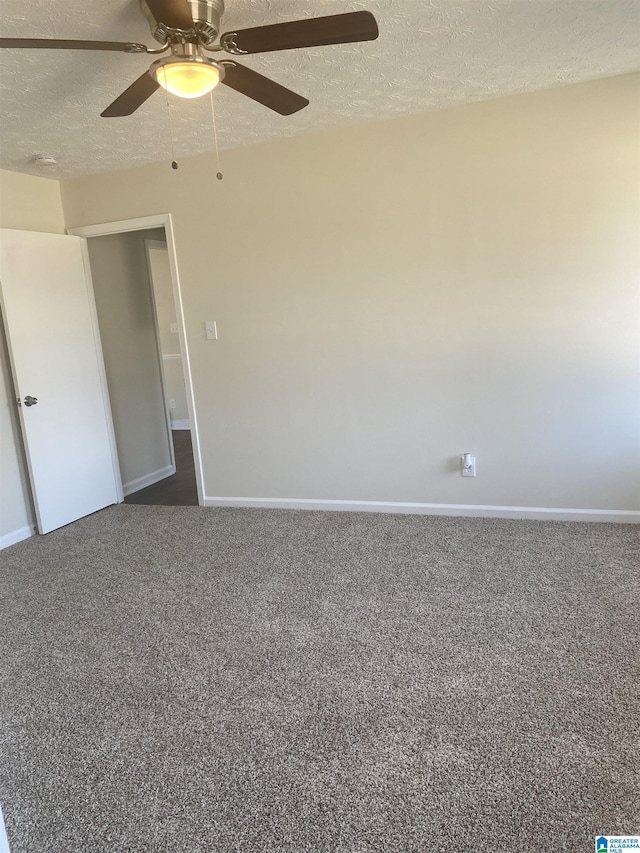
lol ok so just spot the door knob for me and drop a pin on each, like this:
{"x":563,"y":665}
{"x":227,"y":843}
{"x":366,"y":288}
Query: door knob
{"x":30,"y":401}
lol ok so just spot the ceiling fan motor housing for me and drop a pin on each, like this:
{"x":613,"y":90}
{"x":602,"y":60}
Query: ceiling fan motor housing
{"x":206,"y":16}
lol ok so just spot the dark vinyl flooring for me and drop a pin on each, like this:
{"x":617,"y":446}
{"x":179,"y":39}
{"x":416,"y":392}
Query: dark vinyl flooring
{"x":180,"y":488}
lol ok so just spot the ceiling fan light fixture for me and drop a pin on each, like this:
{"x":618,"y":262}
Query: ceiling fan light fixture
{"x":188,"y":76}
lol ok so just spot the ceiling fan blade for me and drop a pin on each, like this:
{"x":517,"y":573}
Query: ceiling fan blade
{"x":72,"y":44}
{"x":262,"y":89}
{"x":174,"y":13}
{"x":133,"y":97}
{"x":311,"y":32}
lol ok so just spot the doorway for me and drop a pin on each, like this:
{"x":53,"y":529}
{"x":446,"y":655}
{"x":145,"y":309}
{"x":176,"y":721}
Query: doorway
{"x":178,"y":489}
{"x":139,"y":309}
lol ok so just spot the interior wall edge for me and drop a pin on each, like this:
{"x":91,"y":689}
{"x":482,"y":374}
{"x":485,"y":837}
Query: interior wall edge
{"x":31,"y":203}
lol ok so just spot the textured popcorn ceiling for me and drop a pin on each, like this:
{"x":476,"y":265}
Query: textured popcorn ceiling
{"x":431,"y":54}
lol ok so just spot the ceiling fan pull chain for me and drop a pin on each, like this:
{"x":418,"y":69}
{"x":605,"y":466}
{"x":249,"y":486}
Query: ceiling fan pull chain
{"x":174,"y":162}
{"x":215,"y":136}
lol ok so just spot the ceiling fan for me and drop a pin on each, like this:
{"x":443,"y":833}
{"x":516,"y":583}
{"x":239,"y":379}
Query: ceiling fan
{"x":188,"y":28}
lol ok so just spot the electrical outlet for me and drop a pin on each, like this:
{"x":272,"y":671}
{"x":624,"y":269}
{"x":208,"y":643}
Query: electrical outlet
{"x":172,"y":403}
{"x":467,"y":465}
{"x":174,"y":328}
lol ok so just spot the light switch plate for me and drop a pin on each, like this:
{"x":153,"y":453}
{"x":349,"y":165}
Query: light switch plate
{"x":174,"y":328}
{"x":211,"y":330}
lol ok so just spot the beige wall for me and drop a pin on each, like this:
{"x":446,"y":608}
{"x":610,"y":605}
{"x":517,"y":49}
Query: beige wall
{"x":31,"y":204}
{"x":127,"y":331}
{"x":391,"y":295}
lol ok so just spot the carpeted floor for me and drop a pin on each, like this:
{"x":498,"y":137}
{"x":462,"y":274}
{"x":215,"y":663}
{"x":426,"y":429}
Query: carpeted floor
{"x":187,"y":679}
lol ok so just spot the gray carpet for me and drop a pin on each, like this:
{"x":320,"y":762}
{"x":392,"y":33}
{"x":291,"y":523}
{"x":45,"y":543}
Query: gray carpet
{"x":187,"y":679}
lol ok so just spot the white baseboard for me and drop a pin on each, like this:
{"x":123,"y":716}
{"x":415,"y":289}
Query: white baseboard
{"x":16,"y":536}
{"x":148,"y":480}
{"x":180,"y":424}
{"x":467,"y":510}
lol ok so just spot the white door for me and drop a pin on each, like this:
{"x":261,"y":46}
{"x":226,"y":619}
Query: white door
{"x":55,"y":357}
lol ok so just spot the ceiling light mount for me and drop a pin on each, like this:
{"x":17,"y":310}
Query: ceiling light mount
{"x":206,"y":16}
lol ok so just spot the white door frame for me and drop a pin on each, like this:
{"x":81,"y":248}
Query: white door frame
{"x":162,"y":220}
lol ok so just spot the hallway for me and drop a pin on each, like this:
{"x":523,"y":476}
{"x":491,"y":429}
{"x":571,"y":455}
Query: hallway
{"x":180,"y":488}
